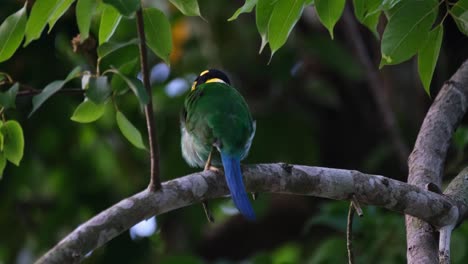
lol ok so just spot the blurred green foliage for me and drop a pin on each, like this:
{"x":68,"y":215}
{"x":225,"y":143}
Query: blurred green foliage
{"x":312,"y":106}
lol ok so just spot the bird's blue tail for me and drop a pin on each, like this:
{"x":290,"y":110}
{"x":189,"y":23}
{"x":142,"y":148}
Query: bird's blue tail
{"x":235,"y":183}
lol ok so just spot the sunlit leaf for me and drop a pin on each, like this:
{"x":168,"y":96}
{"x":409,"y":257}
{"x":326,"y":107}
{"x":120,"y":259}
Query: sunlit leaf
{"x":51,"y":89}
{"x":41,"y":12}
{"x":368,"y":12}
{"x":129,"y":131}
{"x":84,"y":14}
{"x":125,"y":7}
{"x":109,"y":47}
{"x":187,"y":7}
{"x":246,"y":8}
{"x":427,"y":56}
{"x":12,"y":33}
{"x":262,"y":18}
{"x":59,"y":10}
{"x":135,"y":85}
{"x":98,"y":89}
{"x":8,"y":98}
{"x":329,"y":12}
{"x":283,"y":19}
{"x":407,"y":30}
{"x":13,"y":146}
{"x":88,"y":112}
{"x":110,"y":19}
{"x":158,"y":33}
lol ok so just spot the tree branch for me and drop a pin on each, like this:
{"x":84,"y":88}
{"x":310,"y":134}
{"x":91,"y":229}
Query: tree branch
{"x":278,"y":178}
{"x":375,"y":84}
{"x":155,"y":182}
{"x":426,"y":162}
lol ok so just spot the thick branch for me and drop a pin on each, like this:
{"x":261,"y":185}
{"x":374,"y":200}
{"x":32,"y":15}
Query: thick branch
{"x":278,"y":178}
{"x":427,"y":159}
{"x":155,"y":182}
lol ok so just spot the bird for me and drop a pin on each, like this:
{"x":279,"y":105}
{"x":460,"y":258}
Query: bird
{"x":217,"y":129}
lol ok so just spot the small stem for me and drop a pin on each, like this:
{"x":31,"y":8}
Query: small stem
{"x":349,"y":231}
{"x":155,"y":183}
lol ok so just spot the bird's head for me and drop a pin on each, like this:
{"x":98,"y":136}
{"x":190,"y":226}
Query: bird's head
{"x":211,"y":75}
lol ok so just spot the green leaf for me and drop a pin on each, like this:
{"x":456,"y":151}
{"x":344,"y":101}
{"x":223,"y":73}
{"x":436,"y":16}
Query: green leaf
{"x":246,"y":8}
{"x":51,"y":89}
{"x":329,"y":12}
{"x":58,"y":12}
{"x":187,"y":7}
{"x":158,"y":33}
{"x":407,"y":30}
{"x":427,"y":56}
{"x":8,"y":98}
{"x":84,"y":13}
{"x":41,"y":12}
{"x":135,"y":85}
{"x":109,"y":47}
{"x":88,"y":112}
{"x":459,"y":13}
{"x":129,"y":131}
{"x":262,"y":18}
{"x":13,"y":146}
{"x":2,"y":164}
{"x":12,"y":33}
{"x":110,"y":19}
{"x":125,"y":7}
{"x":283,"y":18}
{"x":98,"y":89}
{"x":368,"y":12}
{"x":130,"y":68}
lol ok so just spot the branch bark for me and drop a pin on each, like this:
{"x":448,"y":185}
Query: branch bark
{"x":278,"y":178}
{"x":426,"y":162}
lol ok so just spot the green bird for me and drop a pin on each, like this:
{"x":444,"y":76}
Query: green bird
{"x":217,"y":128}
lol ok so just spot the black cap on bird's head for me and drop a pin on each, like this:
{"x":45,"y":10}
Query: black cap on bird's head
{"x":211,"y":75}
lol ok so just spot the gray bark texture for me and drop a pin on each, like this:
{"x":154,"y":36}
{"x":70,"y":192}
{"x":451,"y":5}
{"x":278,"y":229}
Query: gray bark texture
{"x":330,"y":183}
{"x":426,"y":162}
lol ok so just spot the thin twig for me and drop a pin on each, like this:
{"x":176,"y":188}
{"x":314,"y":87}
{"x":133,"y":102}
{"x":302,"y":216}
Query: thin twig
{"x":356,"y":205}
{"x":349,"y":233}
{"x":155,"y":182}
{"x":375,"y":83}
{"x":30,"y":91}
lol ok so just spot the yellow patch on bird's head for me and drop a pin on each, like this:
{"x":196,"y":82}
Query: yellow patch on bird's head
{"x":210,"y":76}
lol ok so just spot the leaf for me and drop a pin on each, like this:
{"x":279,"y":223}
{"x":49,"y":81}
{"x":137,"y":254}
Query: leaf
{"x":125,"y":7}
{"x":130,"y":68}
{"x":158,"y":33}
{"x":135,"y":85}
{"x":427,"y":56}
{"x":13,"y":146}
{"x":329,"y":12}
{"x":262,"y":18}
{"x":12,"y":33}
{"x":407,"y":30}
{"x":98,"y":89}
{"x":246,"y":8}
{"x":58,"y":12}
{"x":283,"y":18}
{"x":109,"y":47}
{"x":129,"y":131}
{"x":2,"y":164}
{"x":88,"y":112}
{"x":84,"y":13}
{"x":8,"y":98}
{"x":41,"y":12}
{"x":459,"y":13}
{"x":110,"y":19}
{"x":187,"y":7}
{"x":368,"y":13}
{"x":51,"y":89}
